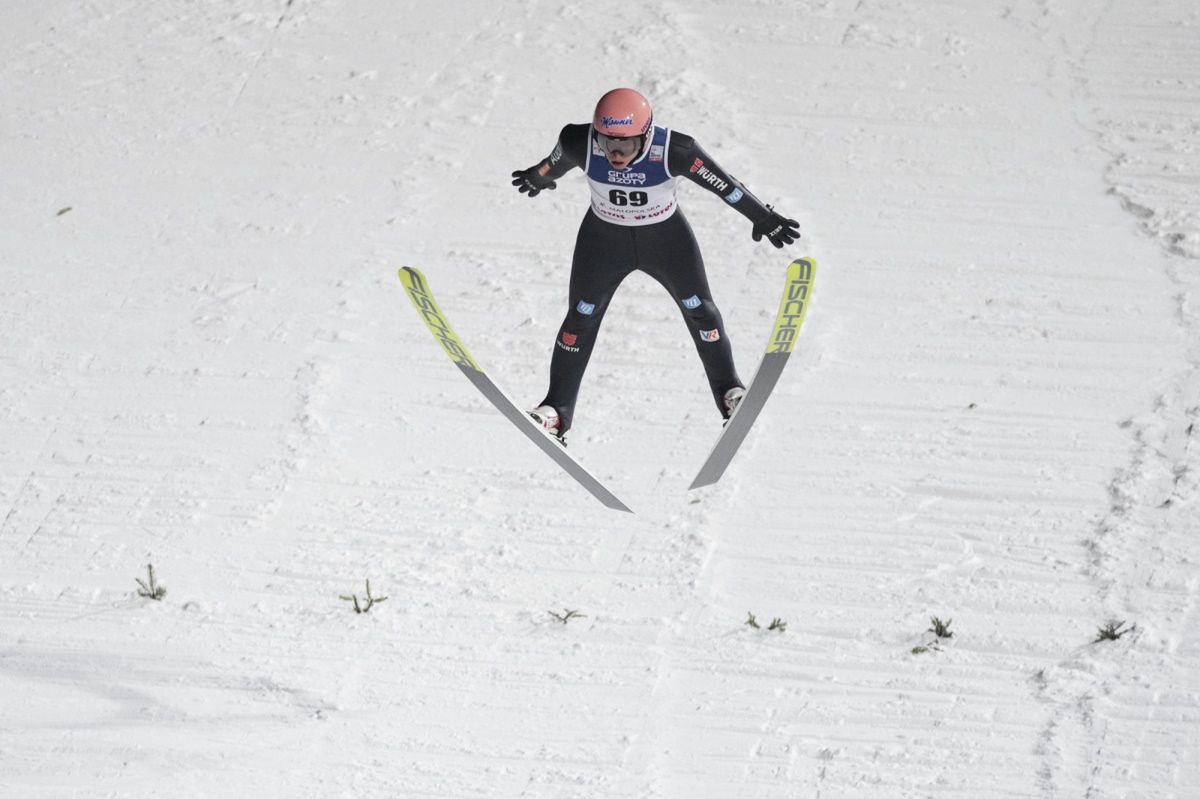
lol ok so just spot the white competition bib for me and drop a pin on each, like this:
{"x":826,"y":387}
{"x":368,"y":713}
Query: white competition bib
{"x":643,"y":194}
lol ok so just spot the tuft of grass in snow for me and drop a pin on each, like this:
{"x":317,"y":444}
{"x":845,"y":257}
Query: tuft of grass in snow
{"x":1111,"y":631}
{"x":149,"y":588}
{"x":370,"y":603}
{"x":777,"y":624}
{"x":940,"y":628}
{"x":566,"y":615}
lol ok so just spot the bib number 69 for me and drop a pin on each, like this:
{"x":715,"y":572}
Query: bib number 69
{"x":634,"y":198}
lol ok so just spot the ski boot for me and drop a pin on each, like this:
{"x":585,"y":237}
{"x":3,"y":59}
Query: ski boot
{"x":732,"y":399}
{"x":546,"y":417}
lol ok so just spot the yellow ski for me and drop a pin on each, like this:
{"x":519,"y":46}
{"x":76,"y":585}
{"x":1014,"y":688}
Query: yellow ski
{"x":422,"y":298}
{"x":797,"y":293}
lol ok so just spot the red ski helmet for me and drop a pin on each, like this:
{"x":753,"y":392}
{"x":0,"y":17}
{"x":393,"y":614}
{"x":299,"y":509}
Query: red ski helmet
{"x":623,"y":113}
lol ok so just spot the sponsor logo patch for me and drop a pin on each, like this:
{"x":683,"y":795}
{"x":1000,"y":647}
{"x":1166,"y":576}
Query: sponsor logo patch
{"x":692,"y":303}
{"x":708,"y":176}
{"x":585,"y":308}
{"x":626,"y":178}
{"x":710,"y":335}
{"x":734,"y":196}
{"x":656,"y":153}
{"x":664,"y":210}
{"x":569,"y":339}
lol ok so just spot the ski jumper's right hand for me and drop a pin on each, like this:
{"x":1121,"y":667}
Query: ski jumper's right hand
{"x":533,"y":180}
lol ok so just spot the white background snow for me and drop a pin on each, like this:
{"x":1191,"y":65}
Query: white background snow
{"x":208,"y":364}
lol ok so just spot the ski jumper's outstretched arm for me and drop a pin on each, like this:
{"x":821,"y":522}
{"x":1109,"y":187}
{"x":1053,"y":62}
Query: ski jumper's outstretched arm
{"x":686,"y":158}
{"x":568,"y":153}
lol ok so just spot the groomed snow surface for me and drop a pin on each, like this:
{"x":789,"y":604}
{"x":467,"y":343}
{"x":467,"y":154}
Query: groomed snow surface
{"x":207,"y":364}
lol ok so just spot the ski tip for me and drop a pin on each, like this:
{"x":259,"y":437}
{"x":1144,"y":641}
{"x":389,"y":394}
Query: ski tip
{"x":806,"y":266}
{"x":413,"y":279}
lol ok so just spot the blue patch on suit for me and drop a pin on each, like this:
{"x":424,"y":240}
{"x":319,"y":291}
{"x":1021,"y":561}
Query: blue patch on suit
{"x":585,"y":308}
{"x":692,"y":303}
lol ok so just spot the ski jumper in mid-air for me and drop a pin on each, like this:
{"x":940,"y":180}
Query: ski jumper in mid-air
{"x":632,"y":168}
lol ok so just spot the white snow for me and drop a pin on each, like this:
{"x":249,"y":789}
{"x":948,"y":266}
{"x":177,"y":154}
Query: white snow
{"x":208,"y":364}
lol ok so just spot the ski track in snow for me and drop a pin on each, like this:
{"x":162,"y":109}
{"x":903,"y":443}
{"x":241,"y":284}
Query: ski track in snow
{"x":209,"y":365}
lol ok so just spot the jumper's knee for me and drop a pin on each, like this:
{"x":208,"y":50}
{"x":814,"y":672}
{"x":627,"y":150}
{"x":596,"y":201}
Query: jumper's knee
{"x":579,"y":327}
{"x":701,"y":314}
{"x":584,"y":314}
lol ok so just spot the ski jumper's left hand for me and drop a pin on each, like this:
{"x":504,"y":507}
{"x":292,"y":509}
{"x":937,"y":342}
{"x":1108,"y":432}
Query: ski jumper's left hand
{"x":778,"y":229}
{"x":688,"y":159}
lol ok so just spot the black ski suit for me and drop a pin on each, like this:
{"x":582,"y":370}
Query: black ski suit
{"x":608,"y":251}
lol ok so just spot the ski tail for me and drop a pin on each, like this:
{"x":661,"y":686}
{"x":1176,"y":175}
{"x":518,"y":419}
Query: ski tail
{"x":793,"y":307}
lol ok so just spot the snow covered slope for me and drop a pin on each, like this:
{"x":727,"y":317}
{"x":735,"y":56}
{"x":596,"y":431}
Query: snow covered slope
{"x":207,"y":364}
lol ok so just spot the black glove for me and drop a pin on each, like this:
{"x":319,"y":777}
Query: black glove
{"x":778,"y":230}
{"x":529,"y":181}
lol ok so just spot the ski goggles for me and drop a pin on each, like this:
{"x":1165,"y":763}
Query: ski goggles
{"x":626,"y":146}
